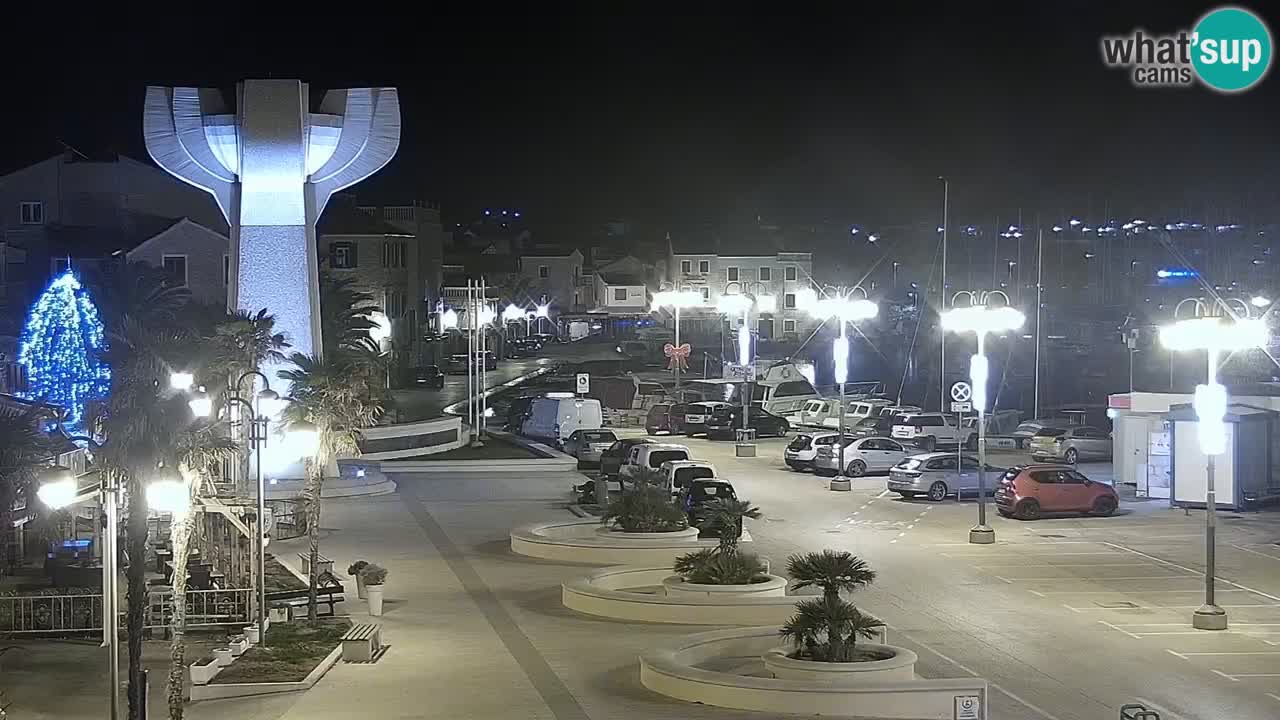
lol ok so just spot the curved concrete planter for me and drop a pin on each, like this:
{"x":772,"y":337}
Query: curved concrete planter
{"x":214,"y":691}
{"x":676,"y":586}
{"x":900,"y":666}
{"x":625,"y":593}
{"x":675,"y":672}
{"x":585,"y":541}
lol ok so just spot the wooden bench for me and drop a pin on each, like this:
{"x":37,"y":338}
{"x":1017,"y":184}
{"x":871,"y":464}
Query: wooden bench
{"x":361,"y":643}
{"x":326,"y":565}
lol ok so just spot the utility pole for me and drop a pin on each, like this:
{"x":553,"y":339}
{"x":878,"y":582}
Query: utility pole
{"x":942,"y":295}
{"x":1040,"y":289}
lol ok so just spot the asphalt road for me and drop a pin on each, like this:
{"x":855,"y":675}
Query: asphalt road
{"x":1068,"y":617}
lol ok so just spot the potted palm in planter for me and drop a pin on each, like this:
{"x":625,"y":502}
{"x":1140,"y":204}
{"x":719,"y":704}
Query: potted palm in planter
{"x":354,"y":570}
{"x":724,"y":569}
{"x":374,"y":576}
{"x":825,"y":630}
{"x":645,"y":508}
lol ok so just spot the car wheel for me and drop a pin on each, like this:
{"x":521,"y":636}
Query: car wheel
{"x":784,"y":429}
{"x":938,"y":491}
{"x":1027,"y":510}
{"x":1104,"y":505}
{"x":857,"y":468}
{"x":907,"y":495}
{"x":1070,"y":456}
{"x":930,"y":443}
{"x":1004,"y":513}
{"x":650,"y":433}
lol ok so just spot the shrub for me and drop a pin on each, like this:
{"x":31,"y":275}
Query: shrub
{"x":826,"y":629}
{"x":644,"y":508}
{"x":355,"y":567}
{"x":713,"y":567}
{"x":373,"y":574}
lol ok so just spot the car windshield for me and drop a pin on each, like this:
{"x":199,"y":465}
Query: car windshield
{"x":598,"y":436}
{"x":684,"y":475}
{"x":799,"y":443}
{"x":711,"y":491}
{"x":910,"y":464}
{"x":1050,"y":432}
{"x":657,"y":457}
{"x":868,"y":422}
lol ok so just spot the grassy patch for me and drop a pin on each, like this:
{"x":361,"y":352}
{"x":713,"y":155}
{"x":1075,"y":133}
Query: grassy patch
{"x":493,"y":449}
{"x":291,"y":652}
{"x":280,"y":579}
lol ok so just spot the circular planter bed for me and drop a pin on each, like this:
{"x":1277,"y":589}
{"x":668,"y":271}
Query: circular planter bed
{"x":585,"y":541}
{"x":881,"y":663}
{"x":683,"y":533}
{"x":626,"y":593}
{"x":769,"y":586}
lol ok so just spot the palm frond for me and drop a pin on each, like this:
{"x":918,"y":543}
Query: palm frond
{"x":832,"y":570}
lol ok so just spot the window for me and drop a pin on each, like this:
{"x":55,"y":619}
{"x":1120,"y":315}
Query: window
{"x":788,"y":326}
{"x":706,"y":293}
{"x":393,"y":253}
{"x":942,"y":463}
{"x":733,"y":274}
{"x":393,"y":302}
{"x":789,"y":302}
{"x":686,"y":266}
{"x":891,"y":446}
{"x":342,"y":255}
{"x":968,"y":463}
{"x":789,"y":273}
{"x":226,"y":269}
{"x":704,"y":266}
{"x":620,"y":294}
{"x":175,"y":269}
{"x":1045,"y":477}
{"x":32,"y":213}
{"x":792,"y":388}
{"x":543,"y":271}
{"x":766,"y":274}
{"x":764,"y":328}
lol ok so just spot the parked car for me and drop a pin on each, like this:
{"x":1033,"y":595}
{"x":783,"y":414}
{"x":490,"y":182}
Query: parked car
{"x":611,"y":460}
{"x":893,"y":410}
{"x":861,"y":456}
{"x":803,"y":448}
{"x":428,"y":376}
{"x":1028,"y":428}
{"x":650,"y":455}
{"x":518,"y":410}
{"x":694,"y":499}
{"x":1028,"y":491}
{"x":819,"y":412}
{"x":999,"y":422}
{"x":556,"y":418}
{"x":456,"y":364}
{"x":680,"y":473}
{"x":658,"y":420}
{"x":697,"y":415}
{"x":930,"y":430}
{"x":878,"y":426}
{"x":588,"y":445}
{"x":1071,"y":444}
{"x":728,"y":418}
{"x":936,"y":476}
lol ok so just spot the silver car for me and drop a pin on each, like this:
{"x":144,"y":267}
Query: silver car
{"x":861,"y":456}
{"x":936,"y":476}
{"x":1079,"y":442}
{"x":587,"y":445}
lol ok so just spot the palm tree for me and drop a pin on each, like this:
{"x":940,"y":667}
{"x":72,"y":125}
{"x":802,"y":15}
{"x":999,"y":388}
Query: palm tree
{"x":198,"y":451}
{"x":841,"y":622}
{"x":23,"y":451}
{"x":834,"y":572}
{"x":725,"y":516}
{"x":325,"y":395}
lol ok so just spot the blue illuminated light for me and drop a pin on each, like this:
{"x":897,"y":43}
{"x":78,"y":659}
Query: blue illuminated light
{"x":1167,"y":273}
{"x":62,"y":347}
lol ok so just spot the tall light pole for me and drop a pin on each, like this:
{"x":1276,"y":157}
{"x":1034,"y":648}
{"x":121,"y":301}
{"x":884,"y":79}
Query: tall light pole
{"x":843,"y":306}
{"x":980,"y":318}
{"x":1213,"y":327}
{"x":676,"y":299}
{"x":744,"y":303}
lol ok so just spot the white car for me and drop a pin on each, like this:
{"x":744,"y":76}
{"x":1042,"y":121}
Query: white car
{"x":680,"y":473}
{"x":803,"y":449}
{"x":861,"y":456}
{"x":649,"y":455}
{"x":930,"y":430}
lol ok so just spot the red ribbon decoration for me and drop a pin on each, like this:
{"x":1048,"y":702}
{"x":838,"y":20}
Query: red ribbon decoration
{"x":678,"y":354}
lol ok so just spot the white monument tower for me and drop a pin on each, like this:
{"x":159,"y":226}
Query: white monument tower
{"x":272,"y":165}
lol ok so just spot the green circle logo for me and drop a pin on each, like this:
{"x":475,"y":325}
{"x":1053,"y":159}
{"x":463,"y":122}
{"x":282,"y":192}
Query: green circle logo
{"x":1231,"y":49}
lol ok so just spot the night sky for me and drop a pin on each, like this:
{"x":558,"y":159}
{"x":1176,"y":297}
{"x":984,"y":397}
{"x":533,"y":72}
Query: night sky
{"x":684,"y":118}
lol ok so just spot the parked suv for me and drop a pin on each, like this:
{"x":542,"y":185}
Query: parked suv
{"x":665,"y":418}
{"x":929,"y":430}
{"x":694,"y":499}
{"x":1028,"y":491}
{"x":1070,"y":444}
{"x":698,"y":415}
{"x":650,"y":455}
{"x":611,"y":460}
{"x":728,"y":418}
{"x":803,"y":449}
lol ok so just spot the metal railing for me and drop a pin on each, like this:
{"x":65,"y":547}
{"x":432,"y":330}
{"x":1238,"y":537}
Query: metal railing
{"x":77,"y":612}
{"x":287,"y":518}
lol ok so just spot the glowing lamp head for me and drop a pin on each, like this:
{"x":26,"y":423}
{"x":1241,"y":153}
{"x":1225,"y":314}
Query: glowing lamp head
{"x":512,"y":313}
{"x":169,"y":496}
{"x":840,"y":358}
{"x":303,"y":439}
{"x":1210,"y":403}
{"x":201,"y":404}
{"x":744,"y":345}
{"x":806,"y":299}
{"x":733,"y":304}
{"x":1217,"y":333}
{"x":449,"y":319}
{"x":58,"y":488}
{"x":1259,"y":301}
{"x":381,"y":329}
{"x":982,"y":319}
{"x":485,"y":316}
{"x":766,"y":303}
{"x":270,"y":403}
{"x":181,"y":381}
{"x":542,"y":311}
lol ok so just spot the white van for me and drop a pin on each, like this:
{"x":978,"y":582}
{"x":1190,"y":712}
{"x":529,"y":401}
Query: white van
{"x":649,"y":455}
{"x":555,"y":418}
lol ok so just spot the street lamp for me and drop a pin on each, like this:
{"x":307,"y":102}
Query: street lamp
{"x":181,"y":380}
{"x":200,"y":403}
{"x":1213,"y":327}
{"x":980,"y":318}
{"x":676,"y":299}
{"x":841,"y":305}
{"x":742,"y":303}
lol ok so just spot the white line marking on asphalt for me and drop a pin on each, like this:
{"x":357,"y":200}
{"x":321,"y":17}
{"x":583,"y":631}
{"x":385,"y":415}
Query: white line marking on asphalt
{"x":1175,"y":653}
{"x":1106,"y":579}
{"x":1162,"y":607}
{"x":1182,"y":624}
{"x":1036,"y":592}
{"x":1129,"y":592}
{"x":886,"y":492}
{"x":1015,"y":698}
{"x":1193,"y":572}
{"x":1274,"y":696}
{"x":1219,"y":672}
{"x":1235,"y":652}
{"x":1126,"y":632}
{"x":1007,"y":580}
{"x":1255,"y":552}
{"x":1023,"y":564}
{"x":1071,"y":608}
{"x":1249,"y":675}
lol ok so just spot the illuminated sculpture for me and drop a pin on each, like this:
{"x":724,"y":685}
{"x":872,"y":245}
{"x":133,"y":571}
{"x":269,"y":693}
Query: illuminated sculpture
{"x":62,"y":346}
{"x":272,"y":165}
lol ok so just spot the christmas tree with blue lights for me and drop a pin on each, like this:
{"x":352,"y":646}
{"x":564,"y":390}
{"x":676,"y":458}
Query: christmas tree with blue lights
{"x":62,"y":347}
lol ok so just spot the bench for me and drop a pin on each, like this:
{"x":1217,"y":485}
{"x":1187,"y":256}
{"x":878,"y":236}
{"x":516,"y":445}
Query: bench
{"x":328,"y":593}
{"x":361,"y":643}
{"x":326,"y":565}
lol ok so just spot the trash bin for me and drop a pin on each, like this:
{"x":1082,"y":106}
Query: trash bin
{"x":746,"y":442}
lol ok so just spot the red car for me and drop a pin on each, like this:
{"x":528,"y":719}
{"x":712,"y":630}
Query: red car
{"x":1028,"y":491}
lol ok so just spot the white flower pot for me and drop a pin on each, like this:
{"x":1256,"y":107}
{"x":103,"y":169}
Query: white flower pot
{"x":222,"y":656}
{"x":279,"y":614}
{"x":238,"y":646}
{"x":360,"y":589}
{"x":252,"y":635}
{"x":374,"y":593}
{"x":202,"y":674}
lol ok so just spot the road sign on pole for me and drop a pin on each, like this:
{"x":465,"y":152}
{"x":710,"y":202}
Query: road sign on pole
{"x":584,"y":383}
{"x":961,"y":392}
{"x":961,"y":407}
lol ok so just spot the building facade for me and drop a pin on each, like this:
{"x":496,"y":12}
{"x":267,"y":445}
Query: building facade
{"x":781,"y":275}
{"x":552,"y":279}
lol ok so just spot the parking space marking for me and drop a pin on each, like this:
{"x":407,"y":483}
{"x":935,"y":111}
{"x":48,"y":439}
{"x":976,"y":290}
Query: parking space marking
{"x":1023,"y":564}
{"x":1043,"y":713}
{"x":1193,"y":572}
{"x":1042,"y":593}
{"x":1160,"y":607}
{"x":1274,"y":696}
{"x":1234,"y":652}
{"x":1255,"y":552}
{"x":1126,"y":632}
{"x":1219,"y":672}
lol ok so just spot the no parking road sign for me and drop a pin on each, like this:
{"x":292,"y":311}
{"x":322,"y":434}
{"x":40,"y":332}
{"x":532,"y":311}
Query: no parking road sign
{"x":961,"y":392}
